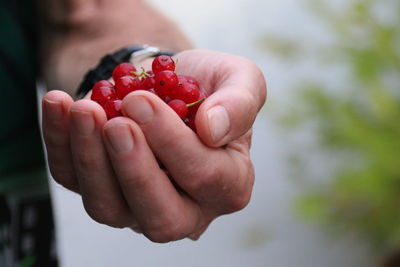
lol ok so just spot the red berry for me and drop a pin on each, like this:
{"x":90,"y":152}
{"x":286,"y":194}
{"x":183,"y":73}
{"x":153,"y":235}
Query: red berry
{"x":188,"y":79}
{"x":123,"y":69}
{"x":188,"y":92}
{"x":193,"y":109}
{"x":103,"y":83}
{"x":166,"y":83}
{"x":126,"y":84}
{"x":113,"y":108}
{"x":190,"y":121}
{"x":181,"y":92}
{"x":148,"y":82}
{"x":179,"y":107}
{"x":102,"y":94}
{"x":161,"y":63}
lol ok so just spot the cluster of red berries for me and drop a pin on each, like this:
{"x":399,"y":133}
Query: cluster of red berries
{"x":182,"y":93}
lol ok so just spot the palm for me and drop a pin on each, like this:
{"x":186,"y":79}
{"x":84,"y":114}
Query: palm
{"x":113,"y":164}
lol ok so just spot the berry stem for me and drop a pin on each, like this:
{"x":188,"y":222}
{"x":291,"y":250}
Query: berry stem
{"x":142,"y":74}
{"x":195,"y":103}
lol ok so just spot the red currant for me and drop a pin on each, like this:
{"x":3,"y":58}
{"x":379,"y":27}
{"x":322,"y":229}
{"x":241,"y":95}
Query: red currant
{"x":113,"y":108}
{"x":188,"y":92}
{"x":103,"y":83}
{"x":188,"y":79}
{"x":123,"y":69}
{"x":193,"y":109}
{"x":102,"y":94}
{"x":179,"y":107}
{"x":161,"y":63}
{"x":166,"y":83}
{"x":181,"y":92}
{"x":148,"y":82}
{"x":126,"y":84}
{"x":190,"y":121}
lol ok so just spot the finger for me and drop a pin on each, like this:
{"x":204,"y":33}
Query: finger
{"x":230,"y":111}
{"x":237,"y":91}
{"x":55,"y":124}
{"x":161,"y":212}
{"x":210,"y":175}
{"x":101,"y":194}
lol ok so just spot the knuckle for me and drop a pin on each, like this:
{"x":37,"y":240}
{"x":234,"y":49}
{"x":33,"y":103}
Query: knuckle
{"x":241,"y":198}
{"x":64,"y":177}
{"x":141,"y":183}
{"x":163,"y":230}
{"x":105,"y":214}
{"x":56,"y":141}
{"x":86,"y":162}
{"x":169,"y":140}
{"x":249,"y":103}
{"x":263,"y":88}
{"x":261,"y":84}
{"x":161,"y":234}
{"x":66,"y":180}
{"x":203,"y":179}
{"x":237,"y":202}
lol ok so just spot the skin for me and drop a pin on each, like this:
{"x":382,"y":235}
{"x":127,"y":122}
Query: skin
{"x":75,"y":34}
{"x":113,"y":164}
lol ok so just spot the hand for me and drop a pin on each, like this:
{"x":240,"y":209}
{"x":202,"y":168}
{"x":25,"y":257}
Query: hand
{"x":113,"y":164}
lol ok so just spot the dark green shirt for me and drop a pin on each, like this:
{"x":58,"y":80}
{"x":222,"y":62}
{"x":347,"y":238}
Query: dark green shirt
{"x":21,"y":156}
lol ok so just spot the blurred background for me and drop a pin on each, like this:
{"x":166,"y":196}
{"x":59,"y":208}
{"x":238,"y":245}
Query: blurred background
{"x":326,"y":145}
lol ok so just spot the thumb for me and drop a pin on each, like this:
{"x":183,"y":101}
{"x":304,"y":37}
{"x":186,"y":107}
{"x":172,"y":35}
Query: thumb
{"x":229,"y":113}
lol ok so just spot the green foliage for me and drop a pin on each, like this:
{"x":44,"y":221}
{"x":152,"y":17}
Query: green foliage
{"x":362,"y":119}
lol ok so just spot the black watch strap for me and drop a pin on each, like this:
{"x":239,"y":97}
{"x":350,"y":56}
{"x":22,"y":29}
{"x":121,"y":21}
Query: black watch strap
{"x":107,"y":64}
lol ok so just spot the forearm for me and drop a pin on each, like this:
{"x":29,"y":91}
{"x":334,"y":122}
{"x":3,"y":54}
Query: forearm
{"x":75,"y":34}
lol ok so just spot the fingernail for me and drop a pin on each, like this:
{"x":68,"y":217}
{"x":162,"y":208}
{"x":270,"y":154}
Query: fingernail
{"x":82,"y":122}
{"x":120,"y":138}
{"x":218,"y":121}
{"x":53,"y":110}
{"x":139,"y":109}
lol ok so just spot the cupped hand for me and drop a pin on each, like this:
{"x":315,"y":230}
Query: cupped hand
{"x":114,"y":164}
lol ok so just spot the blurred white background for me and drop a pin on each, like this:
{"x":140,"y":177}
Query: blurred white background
{"x":267,"y":232}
